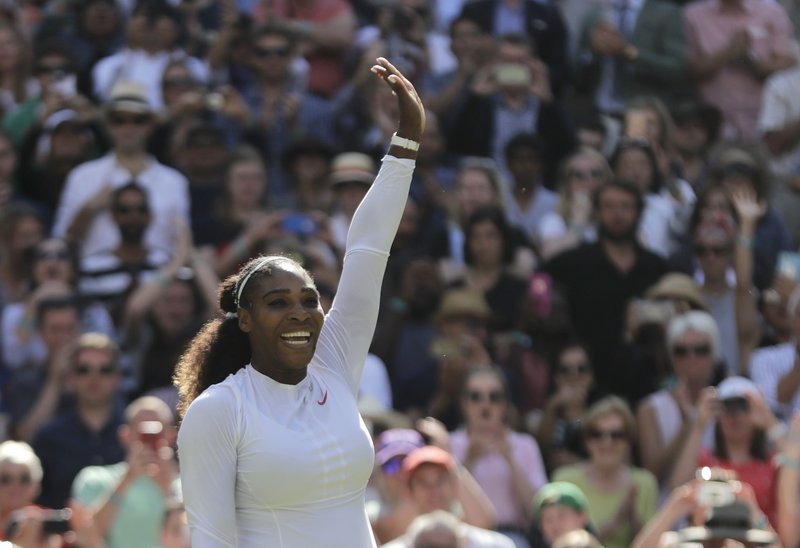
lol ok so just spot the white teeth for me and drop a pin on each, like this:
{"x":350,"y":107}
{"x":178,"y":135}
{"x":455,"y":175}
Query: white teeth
{"x":296,"y":338}
{"x":295,"y":334}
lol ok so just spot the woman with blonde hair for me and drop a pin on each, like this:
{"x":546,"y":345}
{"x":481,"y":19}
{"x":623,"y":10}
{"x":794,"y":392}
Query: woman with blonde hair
{"x":15,"y":54}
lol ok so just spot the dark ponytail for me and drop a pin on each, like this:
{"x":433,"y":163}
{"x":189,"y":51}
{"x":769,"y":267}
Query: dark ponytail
{"x":221,"y":348}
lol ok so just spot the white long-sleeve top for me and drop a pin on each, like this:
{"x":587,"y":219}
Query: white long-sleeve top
{"x":271,"y":464}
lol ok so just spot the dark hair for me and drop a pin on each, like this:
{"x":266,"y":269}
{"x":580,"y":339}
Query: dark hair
{"x":55,"y":47}
{"x":273,"y":30}
{"x":703,"y":198}
{"x":56,"y":303}
{"x":221,"y":348}
{"x":493,"y":370}
{"x":494,"y":215}
{"x":624,"y":186}
{"x":518,"y":39}
{"x":526,"y":141}
{"x":657,"y":179}
{"x":128,"y":187}
{"x":759,"y":445}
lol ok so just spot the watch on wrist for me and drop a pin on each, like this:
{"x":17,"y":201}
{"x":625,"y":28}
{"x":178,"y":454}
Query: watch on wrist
{"x":402,"y":142}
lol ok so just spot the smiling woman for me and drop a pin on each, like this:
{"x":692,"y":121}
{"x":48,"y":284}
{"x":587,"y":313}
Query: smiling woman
{"x":273,"y":450}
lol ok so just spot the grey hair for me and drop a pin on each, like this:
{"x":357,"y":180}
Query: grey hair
{"x":695,"y":320}
{"x":19,"y":452}
{"x":438,"y":520}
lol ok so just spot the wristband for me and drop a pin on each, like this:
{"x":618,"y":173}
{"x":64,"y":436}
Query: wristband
{"x":402,"y":142}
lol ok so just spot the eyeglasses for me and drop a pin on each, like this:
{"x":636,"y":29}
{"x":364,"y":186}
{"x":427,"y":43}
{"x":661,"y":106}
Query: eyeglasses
{"x":22,"y":479}
{"x":140,"y":208}
{"x":272,"y":52}
{"x":683,"y":350}
{"x":595,"y":434}
{"x":121,"y":119}
{"x":493,"y":396}
{"x":568,"y":371}
{"x":106,"y":369}
{"x":392,"y":466}
{"x":586,"y":174}
{"x":55,"y":254}
{"x":719,"y":251}
{"x":50,"y":69}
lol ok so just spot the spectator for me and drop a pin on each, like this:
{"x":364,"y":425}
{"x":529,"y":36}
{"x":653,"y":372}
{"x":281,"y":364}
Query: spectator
{"x":560,"y":507}
{"x":516,"y":98}
{"x":86,"y":432}
{"x":697,"y":127}
{"x":307,"y":161}
{"x":776,"y":369}
{"x":572,"y":223}
{"x":559,"y":432}
{"x":542,"y":24}
{"x":435,"y":484}
{"x":665,"y":418}
{"x":437,"y":528}
{"x":351,"y":176}
{"x":506,"y":464}
{"x":621,"y":498}
{"x":630,"y":49}
{"x":151,"y":44}
{"x":743,"y":434}
{"x":83,"y":212}
{"x":22,"y":228}
{"x":732,"y":46}
{"x":16,"y":54}
{"x":20,"y":480}
{"x":128,"y":499}
{"x":577,"y":539}
{"x":621,"y":269}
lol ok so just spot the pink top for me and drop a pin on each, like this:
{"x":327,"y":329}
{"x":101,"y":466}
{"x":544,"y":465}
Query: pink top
{"x":493,"y":473}
{"x":735,"y":89}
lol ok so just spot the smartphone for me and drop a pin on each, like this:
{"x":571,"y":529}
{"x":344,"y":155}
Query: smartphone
{"x":300,"y":224}
{"x":513,"y":74}
{"x":150,"y":432}
{"x":66,"y":85}
{"x":789,"y":264}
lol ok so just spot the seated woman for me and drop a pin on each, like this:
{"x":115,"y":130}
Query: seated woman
{"x":20,"y":480}
{"x":665,"y":418}
{"x":622,"y":498}
{"x":507,"y":465}
{"x":742,"y":430}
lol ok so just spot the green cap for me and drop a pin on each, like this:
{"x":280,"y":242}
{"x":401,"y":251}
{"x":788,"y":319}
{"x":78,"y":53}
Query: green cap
{"x":560,"y":493}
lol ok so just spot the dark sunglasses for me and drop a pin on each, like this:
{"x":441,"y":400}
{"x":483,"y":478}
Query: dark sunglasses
{"x":583,"y":174}
{"x":121,"y":208}
{"x":23,"y":479}
{"x":51,"y":69}
{"x":392,"y":466}
{"x":580,"y":369}
{"x":595,"y":434}
{"x":683,"y":350}
{"x":179,"y":82}
{"x":121,"y":119}
{"x":738,"y":404}
{"x":106,"y":369}
{"x":719,"y":251}
{"x":494,"y":396}
{"x":57,"y":254}
{"x":272,"y":52}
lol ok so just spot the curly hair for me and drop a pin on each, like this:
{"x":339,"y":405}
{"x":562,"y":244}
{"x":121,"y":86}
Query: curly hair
{"x":221,"y":348}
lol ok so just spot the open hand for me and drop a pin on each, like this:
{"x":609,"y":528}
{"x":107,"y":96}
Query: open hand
{"x":412,"y":112}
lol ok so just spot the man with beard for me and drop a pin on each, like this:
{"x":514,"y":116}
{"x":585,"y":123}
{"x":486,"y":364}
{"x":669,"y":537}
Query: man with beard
{"x":599,"y":279}
{"x":110,"y":276}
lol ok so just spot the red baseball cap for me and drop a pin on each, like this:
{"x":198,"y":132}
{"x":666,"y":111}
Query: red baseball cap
{"x":428,"y":454}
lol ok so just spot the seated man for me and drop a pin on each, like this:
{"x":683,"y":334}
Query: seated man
{"x":434,"y":485}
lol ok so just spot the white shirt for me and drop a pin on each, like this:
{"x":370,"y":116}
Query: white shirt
{"x":138,"y":66}
{"x":167,"y":194}
{"x":780,"y":106}
{"x":664,"y":218}
{"x":767,"y":367}
{"x":271,"y":464}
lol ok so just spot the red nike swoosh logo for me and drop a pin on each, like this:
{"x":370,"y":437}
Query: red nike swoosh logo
{"x":324,"y":398}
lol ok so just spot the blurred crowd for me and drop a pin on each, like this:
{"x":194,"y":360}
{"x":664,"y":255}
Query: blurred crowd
{"x":590,"y":317}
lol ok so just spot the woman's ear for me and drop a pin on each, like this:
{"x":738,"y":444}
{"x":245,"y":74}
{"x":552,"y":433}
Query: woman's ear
{"x":244,"y":319}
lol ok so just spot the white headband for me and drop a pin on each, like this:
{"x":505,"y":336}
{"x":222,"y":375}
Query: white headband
{"x":264,"y":260}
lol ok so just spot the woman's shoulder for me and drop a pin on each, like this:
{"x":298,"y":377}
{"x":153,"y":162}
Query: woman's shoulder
{"x":217,"y":400}
{"x":572,"y":473}
{"x":644,"y":478}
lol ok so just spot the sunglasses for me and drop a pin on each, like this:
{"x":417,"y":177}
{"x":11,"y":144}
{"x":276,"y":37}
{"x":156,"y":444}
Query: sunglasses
{"x":272,"y":52}
{"x":595,"y":434}
{"x":494,"y":396}
{"x":51,"y":69}
{"x":719,"y":251}
{"x":567,"y":371}
{"x":392,"y":466}
{"x":179,"y":82}
{"x":683,"y":350}
{"x":121,"y":119}
{"x":56,"y":254}
{"x":23,"y":479}
{"x":738,"y":404}
{"x":141,"y":209}
{"x":84,"y":370}
{"x":583,"y":174}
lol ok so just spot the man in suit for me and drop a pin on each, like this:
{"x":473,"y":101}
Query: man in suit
{"x":630,"y":48}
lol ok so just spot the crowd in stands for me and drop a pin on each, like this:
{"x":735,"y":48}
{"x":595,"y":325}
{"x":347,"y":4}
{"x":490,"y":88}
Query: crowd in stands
{"x":590,"y":320}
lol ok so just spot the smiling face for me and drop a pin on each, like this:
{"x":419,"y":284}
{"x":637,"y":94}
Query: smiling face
{"x":484,"y":401}
{"x":607,"y":441}
{"x":17,"y":486}
{"x":283,"y":318}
